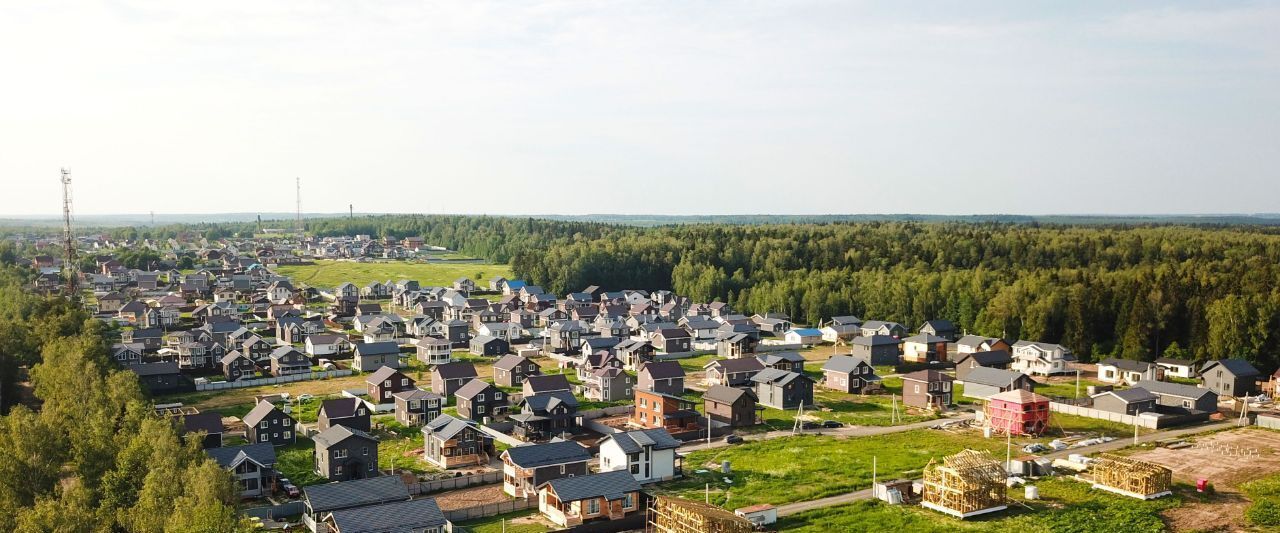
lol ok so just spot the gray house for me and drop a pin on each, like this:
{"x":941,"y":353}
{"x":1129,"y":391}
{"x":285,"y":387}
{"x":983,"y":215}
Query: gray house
{"x":732,"y":372}
{"x":417,"y":407}
{"x":982,"y":382}
{"x":266,"y":424}
{"x":252,"y":466}
{"x":849,"y":374}
{"x":446,"y":379}
{"x":422,"y":515}
{"x":526,"y":467}
{"x":1126,"y":402}
{"x":370,"y":356}
{"x":343,"y":453}
{"x":350,"y":412}
{"x":783,"y":390}
{"x":1179,"y":395}
{"x":877,"y":349}
{"x":1230,"y":377}
{"x":511,"y":370}
{"x":665,"y":377}
{"x":479,"y":399}
{"x":609,"y":384}
{"x":965,"y":363}
{"x":362,"y":493}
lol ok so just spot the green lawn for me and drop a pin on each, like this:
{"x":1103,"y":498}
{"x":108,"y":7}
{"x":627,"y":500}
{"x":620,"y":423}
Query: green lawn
{"x":1066,"y":389}
{"x":1265,"y":494}
{"x":1065,"y":506}
{"x":327,"y":274}
{"x":792,"y":469}
{"x":297,"y":462}
{"x":524,"y":522}
{"x":695,"y":364}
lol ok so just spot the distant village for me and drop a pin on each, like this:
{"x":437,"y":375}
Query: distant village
{"x":583,"y":407}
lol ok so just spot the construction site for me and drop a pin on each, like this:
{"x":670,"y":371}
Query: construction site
{"x":677,"y":515}
{"x":1017,"y":412}
{"x":1131,"y":477}
{"x":967,"y":484}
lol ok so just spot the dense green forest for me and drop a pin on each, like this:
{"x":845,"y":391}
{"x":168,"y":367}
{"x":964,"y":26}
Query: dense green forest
{"x":92,"y":457}
{"x":1133,"y":291}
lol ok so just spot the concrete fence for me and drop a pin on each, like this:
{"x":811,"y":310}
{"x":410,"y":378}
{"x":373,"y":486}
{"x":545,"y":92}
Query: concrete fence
{"x":490,"y":509}
{"x":1142,"y":421}
{"x":428,"y":487}
{"x":222,"y":385}
{"x":273,"y":512}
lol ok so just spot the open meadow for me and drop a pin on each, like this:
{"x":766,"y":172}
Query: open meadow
{"x":327,"y":274}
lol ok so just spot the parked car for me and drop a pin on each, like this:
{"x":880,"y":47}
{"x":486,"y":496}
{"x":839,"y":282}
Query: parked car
{"x":305,"y":398}
{"x":832,"y":424}
{"x":733,"y":439}
{"x":811,"y":425}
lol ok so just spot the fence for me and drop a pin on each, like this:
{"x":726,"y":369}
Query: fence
{"x":427,"y":487}
{"x":1143,"y":421}
{"x":275,"y":511}
{"x":499,"y":436}
{"x":221,"y":385}
{"x":490,"y":509}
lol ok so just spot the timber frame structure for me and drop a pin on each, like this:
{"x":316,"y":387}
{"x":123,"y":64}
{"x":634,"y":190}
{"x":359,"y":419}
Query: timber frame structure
{"x":966,"y":484}
{"x":1131,"y":477}
{"x":675,"y":515}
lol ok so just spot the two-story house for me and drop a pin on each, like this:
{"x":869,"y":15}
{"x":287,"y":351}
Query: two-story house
{"x":648,"y":454}
{"x":344,"y":453}
{"x":480,"y":400}
{"x":350,"y":412}
{"x":415,"y":407}
{"x":1041,"y":358}
{"x":451,"y":442}
{"x":781,"y":389}
{"x":850,"y":375}
{"x":526,"y":467}
{"x":663,"y":377}
{"x":267,"y":424}
{"x":927,"y":389}
{"x":446,"y":379}
{"x":511,"y":370}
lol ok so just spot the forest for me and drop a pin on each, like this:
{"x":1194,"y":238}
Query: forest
{"x":92,"y":457}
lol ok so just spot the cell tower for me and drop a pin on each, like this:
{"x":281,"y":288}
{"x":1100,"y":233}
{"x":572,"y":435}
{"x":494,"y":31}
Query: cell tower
{"x":297,"y":223}
{"x":68,"y":239}
{"x":351,"y":211}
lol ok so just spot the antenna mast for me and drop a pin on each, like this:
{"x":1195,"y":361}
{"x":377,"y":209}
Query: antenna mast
{"x":297,"y":223}
{"x":68,"y":239}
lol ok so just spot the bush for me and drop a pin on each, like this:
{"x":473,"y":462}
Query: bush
{"x":1264,"y":513}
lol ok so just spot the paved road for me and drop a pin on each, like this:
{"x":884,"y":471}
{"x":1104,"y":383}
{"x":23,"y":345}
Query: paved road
{"x":840,"y":499}
{"x":848,"y":431}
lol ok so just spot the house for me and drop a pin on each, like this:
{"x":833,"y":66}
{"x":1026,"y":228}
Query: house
{"x":375,"y":290}
{"x":320,"y":500}
{"x":110,"y":302}
{"x":344,"y":453}
{"x":1183,"y":396}
{"x":649,"y":455}
{"x":350,"y":412}
{"x":566,"y":336}
{"x":161,"y":378}
{"x":672,"y":340}
{"x":803,"y":336}
{"x":480,"y":400}
{"x":415,"y":407}
{"x":286,"y":360}
{"x":451,"y":442}
{"x":978,"y":343}
{"x":663,"y":377}
{"x":634,"y":353}
{"x":458,"y":333}
{"x":256,"y":348}
{"x":489,"y":346}
{"x":369,"y":356}
{"x":608,"y":384}
{"x":434,"y":350}
{"x":264,"y":424}
{"x":788,"y":361}
{"x":849,"y":375}
{"x":422,"y":515}
{"x":545,"y":416}
{"x":346,"y":290}
{"x":324,"y":344}
{"x":701,"y":329}
{"x":252,"y":466}
{"x":1041,"y":358}
{"x":924,"y":348}
{"x":1230,"y":377}
{"x":446,"y":379}
{"x":734,"y":345}
{"x":464,"y":285}
{"x":658,"y":410}
{"x":1128,"y":372}
{"x":840,"y":333}
{"x":572,"y":501}
{"x":878,"y":350}
{"x":927,"y":389}
{"x":541,"y":384}
{"x":1017,"y":412}
{"x":1132,"y":401}
{"x":151,"y":339}
{"x":511,"y":370}
{"x":129,"y":354}
{"x":880,"y":327}
{"x":379,"y":329}
{"x":385,"y":382}
{"x":526,"y":467}
{"x":939,"y":328}
{"x":209,"y":424}
{"x":731,"y":372}
{"x":731,"y":406}
{"x":781,"y":389}
{"x":983,"y":382}
{"x":1000,"y":359}
{"x":1179,"y":368}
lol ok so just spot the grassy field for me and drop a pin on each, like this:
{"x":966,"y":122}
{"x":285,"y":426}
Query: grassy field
{"x":1265,"y":494}
{"x":517,"y":522}
{"x":1065,"y":506}
{"x":327,"y":274}
{"x":1065,"y":388}
{"x":297,"y":462}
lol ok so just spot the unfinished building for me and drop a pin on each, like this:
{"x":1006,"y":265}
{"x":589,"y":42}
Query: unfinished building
{"x":1131,"y":477}
{"x":969,"y":483}
{"x":1017,"y":411}
{"x":676,"y":515}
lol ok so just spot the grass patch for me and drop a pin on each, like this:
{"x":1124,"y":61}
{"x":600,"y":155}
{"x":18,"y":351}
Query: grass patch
{"x":297,"y":462}
{"x":237,"y":411}
{"x":327,"y":274}
{"x":495,"y":524}
{"x":1066,"y":389}
{"x":1265,"y":494}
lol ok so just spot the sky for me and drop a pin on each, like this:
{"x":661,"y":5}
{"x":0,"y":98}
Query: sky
{"x":650,"y":107}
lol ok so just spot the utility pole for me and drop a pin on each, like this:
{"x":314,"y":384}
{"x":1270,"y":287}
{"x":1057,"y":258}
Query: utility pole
{"x":297,"y":223}
{"x":69,"y":241}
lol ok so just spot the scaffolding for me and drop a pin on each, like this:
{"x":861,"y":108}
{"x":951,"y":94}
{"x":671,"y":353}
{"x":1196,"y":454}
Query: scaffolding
{"x":966,"y":484}
{"x":1017,"y":412}
{"x":1131,"y":477}
{"x":674,"y":515}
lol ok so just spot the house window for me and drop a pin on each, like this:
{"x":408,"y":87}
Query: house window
{"x":339,"y":454}
{"x":593,"y":506}
{"x":263,"y":425}
{"x":288,"y":434}
{"x":480,"y":409}
{"x":562,"y":469}
{"x":337,"y":470}
{"x":1186,"y":404}
{"x":364,"y":450}
{"x":479,"y":397}
{"x":917,"y":389}
{"x":628,"y":501}
{"x":635,"y":469}
{"x":263,"y":437}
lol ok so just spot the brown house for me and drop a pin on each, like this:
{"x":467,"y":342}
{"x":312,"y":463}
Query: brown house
{"x":927,"y":389}
{"x":657,"y":410}
{"x":732,"y":407}
{"x":453,"y":442}
{"x":384,"y":383}
{"x":512,"y":370}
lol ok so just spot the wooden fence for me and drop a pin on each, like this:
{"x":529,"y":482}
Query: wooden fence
{"x":490,"y":509}
{"x":428,"y":487}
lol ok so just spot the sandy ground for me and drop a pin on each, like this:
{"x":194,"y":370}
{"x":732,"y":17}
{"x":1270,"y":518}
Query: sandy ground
{"x":470,"y":497}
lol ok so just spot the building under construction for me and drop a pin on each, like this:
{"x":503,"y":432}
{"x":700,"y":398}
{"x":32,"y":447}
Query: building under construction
{"x":1017,"y":412}
{"x":676,"y":515}
{"x":966,"y":484}
{"x":1131,"y":477}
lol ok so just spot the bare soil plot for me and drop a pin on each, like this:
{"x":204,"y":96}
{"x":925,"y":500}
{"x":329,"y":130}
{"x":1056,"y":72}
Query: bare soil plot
{"x":1190,"y":464}
{"x":470,"y":497}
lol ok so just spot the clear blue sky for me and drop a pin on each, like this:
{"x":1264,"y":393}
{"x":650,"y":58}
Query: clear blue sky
{"x":679,"y":107}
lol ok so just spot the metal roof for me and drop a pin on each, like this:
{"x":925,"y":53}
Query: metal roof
{"x":550,"y":453}
{"x":396,"y":517}
{"x":610,"y":485}
{"x":356,"y":493}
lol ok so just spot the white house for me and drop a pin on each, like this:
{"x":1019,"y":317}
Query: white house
{"x":649,"y":454}
{"x":803,"y":336}
{"x":326,"y":344}
{"x":1177,"y":367}
{"x":1041,"y":358}
{"x":1127,"y":372}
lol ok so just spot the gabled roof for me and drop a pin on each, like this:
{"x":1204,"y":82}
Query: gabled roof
{"x":975,"y":340}
{"x":396,"y":517}
{"x":546,"y":401}
{"x":612,"y":486}
{"x":455,"y":370}
{"x":155,"y":369}
{"x":262,"y":453}
{"x":1021,"y":396}
{"x":1237,"y":367}
{"x":844,"y":363}
{"x":806,"y":332}
{"x":777,"y":377}
{"x":510,"y":362}
{"x":991,"y":358}
{"x":472,"y":388}
{"x":376,"y":348}
{"x":1165,"y":388}
{"x":445,"y":427}
{"x":875,"y":340}
{"x":340,"y":407}
{"x":635,"y":441}
{"x":1175,"y":362}
{"x":771,"y":358}
{"x":209,"y":422}
{"x":742,"y":364}
{"x":939,"y":325}
{"x":1133,"y":395}
{"x":547,"y":383}
{"x":259,"y":412}
{"x":416,"y":394}
{"x":1127,"y":364}
{"x":663,"y":370}
{"x":928,"y":376}
{"x":283,"y":351}
{"x":356,"y":493}
{"x":339,"y":433}
{"x":383,"y":373}
{"x":924,"y":338}
{"x":726,"y":395}
{"x":550,"y":453}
